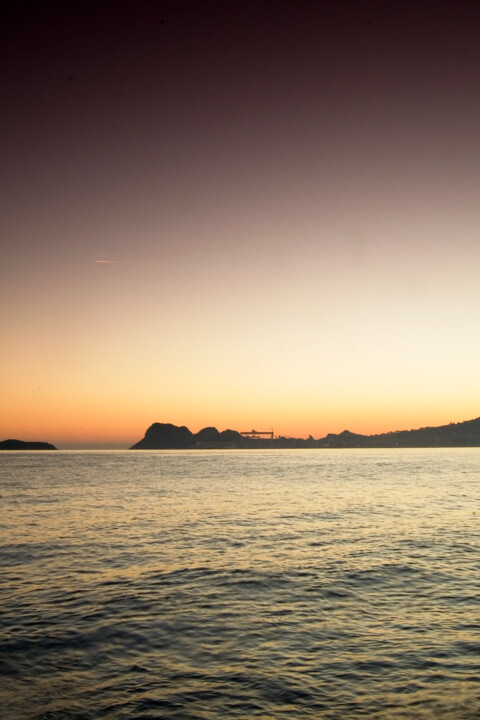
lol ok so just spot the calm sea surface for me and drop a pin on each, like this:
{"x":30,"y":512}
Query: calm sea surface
{"x":240,"y":584}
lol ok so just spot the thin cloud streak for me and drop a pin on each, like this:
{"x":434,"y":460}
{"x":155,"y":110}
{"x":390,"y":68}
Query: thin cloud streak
{"x":109,"y":262}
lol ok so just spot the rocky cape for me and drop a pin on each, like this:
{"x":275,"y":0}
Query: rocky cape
{"x":163,"y":436}
{"x":25,"y":445}
{"x":171,"y":437}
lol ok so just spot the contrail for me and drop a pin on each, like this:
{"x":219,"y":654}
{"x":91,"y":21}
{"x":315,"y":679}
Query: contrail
{"x":116,"y":262}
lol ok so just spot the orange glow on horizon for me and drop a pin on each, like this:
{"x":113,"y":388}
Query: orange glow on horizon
{"x":285,"y":236}
{"x":105,"y":422}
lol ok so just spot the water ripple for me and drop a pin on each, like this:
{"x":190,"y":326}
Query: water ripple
{"x":240,"y":585}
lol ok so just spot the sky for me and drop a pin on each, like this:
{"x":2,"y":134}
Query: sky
{"x":248,"y":215}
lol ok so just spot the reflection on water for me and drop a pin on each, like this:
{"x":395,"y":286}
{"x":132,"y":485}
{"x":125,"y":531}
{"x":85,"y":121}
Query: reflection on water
{"x":238,"y":584}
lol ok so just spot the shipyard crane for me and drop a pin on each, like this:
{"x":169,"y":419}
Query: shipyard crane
{"x":255,"y":434}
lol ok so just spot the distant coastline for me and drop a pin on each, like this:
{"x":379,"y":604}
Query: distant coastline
{"x":167,"y":436}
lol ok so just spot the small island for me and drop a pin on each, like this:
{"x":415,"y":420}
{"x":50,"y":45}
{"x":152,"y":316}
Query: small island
{"x":25,"y":445}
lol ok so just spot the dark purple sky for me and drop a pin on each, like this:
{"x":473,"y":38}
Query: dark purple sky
{"x":315,"y":161}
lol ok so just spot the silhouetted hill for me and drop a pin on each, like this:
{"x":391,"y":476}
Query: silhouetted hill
{"x":343,"y":439}
{"x":25,"y":445}
{"x":208,"y":434}
{"x":231,"y":436}
{"x":209,"y":437}
{"x":164,"y":436}
{"x":463,"y":434}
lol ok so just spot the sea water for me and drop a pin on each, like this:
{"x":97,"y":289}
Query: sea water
{"x":329,"y":584}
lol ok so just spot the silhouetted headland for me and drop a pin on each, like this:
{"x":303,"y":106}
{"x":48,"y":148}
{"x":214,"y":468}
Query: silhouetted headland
{"x":25,"y":445}
{"x":167,"y":436}
{"x":170,"y":437}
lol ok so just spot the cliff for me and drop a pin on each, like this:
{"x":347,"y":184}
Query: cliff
{"x":25,"y":445}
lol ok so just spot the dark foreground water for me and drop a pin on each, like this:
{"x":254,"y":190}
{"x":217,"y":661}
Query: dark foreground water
{"x":289,"y":584}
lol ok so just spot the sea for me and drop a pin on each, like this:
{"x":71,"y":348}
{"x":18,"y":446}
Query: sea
{"x":208,"y":584}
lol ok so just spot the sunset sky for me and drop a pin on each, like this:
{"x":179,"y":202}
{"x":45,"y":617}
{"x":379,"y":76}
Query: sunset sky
{"x":288,"y":198}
